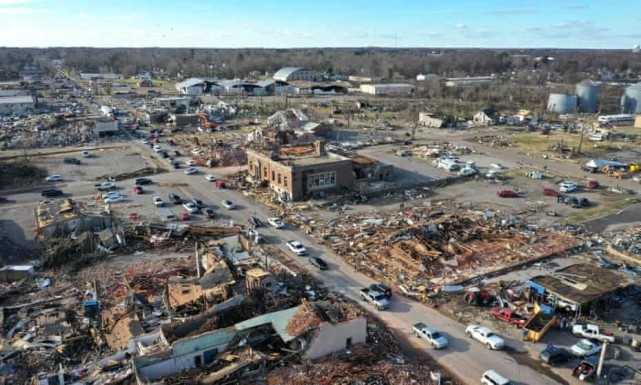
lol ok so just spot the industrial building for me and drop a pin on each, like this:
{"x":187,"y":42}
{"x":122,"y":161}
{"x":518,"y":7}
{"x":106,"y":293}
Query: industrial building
{"x":105,"y":128}
{"x":16,"y":105}
{"x":587,"y":93}
{"x":474,"y":80}
{"x":428,"y":119}
{"x":289,"y":74}
{"x":387,"y":89}
{"x":197,"y":86}
{"x":298,"y":171}
{"x":562,"y":103}
{"x":579,"y":288}
{"x":93,"y":76}
{"x":631,"y":99}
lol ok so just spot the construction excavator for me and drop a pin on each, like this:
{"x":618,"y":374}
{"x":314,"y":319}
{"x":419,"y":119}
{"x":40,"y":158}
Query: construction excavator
{"x":205,"y":121}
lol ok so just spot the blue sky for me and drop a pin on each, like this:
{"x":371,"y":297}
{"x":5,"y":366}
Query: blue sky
{"x":321,"y":23}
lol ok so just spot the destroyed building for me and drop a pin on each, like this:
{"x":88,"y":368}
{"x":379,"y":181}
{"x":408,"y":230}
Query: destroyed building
{"x":61,"y":218}
{"x":296,"y":172}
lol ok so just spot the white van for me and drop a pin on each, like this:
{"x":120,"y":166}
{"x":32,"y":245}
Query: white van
{"x":493,"y":378}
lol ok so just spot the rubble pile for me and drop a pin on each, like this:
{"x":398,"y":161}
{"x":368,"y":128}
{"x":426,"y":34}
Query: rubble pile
{"x":494,"y":141}
{"x":218,"y":155}
{"x":47,"y":131}
{"x":625,"y":244}
{"x":431,"y":247}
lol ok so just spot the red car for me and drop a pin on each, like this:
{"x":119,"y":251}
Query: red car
{"x":508,"y":315}
{"x":551,"y":193}
{"x":183,"y":216}
{"x":4,"y":200}
{"x":138,"y":189}
{"x":592,"y":184}
{"x":507,"y":194}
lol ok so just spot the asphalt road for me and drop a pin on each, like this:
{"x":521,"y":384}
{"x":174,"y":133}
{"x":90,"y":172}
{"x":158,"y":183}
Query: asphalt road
{"x":467,"y":358}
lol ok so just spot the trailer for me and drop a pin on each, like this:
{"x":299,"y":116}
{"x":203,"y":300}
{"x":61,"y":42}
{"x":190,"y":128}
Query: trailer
{"x":536,"y":327}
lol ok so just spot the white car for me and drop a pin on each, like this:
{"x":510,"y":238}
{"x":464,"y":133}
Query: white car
{"x":191,"y":170}
{"x":497,"y":166}
{"x":145,"y":141}
{"x":567,"y":186}
{"x":158,"y":202}
{"x":190,"y":162}
{"x":157,"y":148}
{"x":493,"y":174}
{"x":114,"y":199}
{"x":228,"y":204}
{"x":276,"y":222}
{"x":112,"y":194}
{"x":191,"y":207}
{"x":297,"y":247}
{"x":210,"y":178}
{"x":585,"y":348}
{"x":197,"y":151}
{"x":54,"y":178}
{"x":485,"y":336}
{"x":597,"y":137}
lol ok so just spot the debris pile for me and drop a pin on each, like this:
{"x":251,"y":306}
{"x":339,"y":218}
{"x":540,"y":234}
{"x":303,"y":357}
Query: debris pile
{"x":47,"y":131}
{"x":494,"y":141}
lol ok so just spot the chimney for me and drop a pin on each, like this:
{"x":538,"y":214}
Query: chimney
{"x":320,"y":147}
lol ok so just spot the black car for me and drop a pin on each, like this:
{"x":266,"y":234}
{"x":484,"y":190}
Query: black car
{"x":51,"y":192}
{"x":175,"y":198}
{"x":143,"y":181}
{"x":200,"y":204}
{"x":554,"y":356}
{"x":209,"y":212}
{"x":318,"y":263}
{"x":382,"y":288}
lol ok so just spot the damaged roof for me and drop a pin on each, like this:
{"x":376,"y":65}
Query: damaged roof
{"x":279,"y":321}
{"x":204,"y":341}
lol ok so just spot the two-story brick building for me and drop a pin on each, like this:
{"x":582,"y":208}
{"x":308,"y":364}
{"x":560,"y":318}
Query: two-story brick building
{"x":299,"y":171}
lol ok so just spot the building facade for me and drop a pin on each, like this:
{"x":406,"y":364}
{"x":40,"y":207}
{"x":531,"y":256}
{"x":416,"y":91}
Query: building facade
{"x":289,"y":74}
{"x":20,"y":104}
{"x":387,"y":89}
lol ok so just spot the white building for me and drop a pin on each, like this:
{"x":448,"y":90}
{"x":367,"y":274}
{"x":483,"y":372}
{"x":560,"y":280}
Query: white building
{"x":289,"y":74}
{"x":19,"y":104}
{"x":92,"y":76}
{"x":387,"y":89}
{"x":105,"y":128}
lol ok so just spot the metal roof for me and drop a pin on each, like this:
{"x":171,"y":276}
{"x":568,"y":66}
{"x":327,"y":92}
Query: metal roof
{"x":284,"y":73}
{"x":16,"y":99}
{"x":189,"y":83}
{"x":278,"y":320}
{"x":588,"y":83}
{"x":203,"y":341}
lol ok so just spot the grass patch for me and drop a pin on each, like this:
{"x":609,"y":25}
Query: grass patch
{"x":537,"y":143}
{"x":609,"y":202}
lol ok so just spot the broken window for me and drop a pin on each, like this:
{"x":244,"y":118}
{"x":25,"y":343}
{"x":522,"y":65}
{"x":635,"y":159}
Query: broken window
{"x":285,"y":181}
{"x":279,"y":178}
{"x":273,"y":176}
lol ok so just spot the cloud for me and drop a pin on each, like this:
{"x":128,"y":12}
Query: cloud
{"x":22,"y":11}
{"x":460,"y":26}
{"x":580,"y":30}
{"x":513,"y":11}
{"x":481,"y":33}
{"x":429,"y":33}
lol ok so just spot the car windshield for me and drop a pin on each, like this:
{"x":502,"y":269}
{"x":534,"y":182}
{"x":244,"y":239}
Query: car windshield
{"x":490,"y":334}
{"x":436,"y":335}
{"x":585,"y":345}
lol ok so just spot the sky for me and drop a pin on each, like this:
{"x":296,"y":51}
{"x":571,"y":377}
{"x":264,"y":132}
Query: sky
{"x":611,"y":24}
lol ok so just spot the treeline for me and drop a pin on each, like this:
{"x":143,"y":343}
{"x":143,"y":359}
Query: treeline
{"x":565,"y":65}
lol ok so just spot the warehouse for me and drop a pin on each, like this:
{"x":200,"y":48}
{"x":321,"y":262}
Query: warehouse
{"x":387,"y":89}
{"x":289,"y":74}
{"x":16,"y":105}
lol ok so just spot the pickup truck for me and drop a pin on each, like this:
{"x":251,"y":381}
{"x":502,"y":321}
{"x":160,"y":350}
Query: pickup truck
{"x":104,"y":186}
{"x":375,"y":298}
{"x":430,"y":334}
{"x":509,"y":316}
{"x":485,"y":336}
{"x":592,"y":332}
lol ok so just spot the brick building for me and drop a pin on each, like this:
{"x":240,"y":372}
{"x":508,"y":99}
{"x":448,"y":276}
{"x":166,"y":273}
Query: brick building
{"x":299,"y":171}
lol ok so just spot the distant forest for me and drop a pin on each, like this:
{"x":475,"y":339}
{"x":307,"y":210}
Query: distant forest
{"x":564,"y":65}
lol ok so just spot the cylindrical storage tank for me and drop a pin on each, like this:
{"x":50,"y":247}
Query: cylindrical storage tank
{"x":631,"y":99}
{"x":561,"y":103}
{"x":587,"y":93}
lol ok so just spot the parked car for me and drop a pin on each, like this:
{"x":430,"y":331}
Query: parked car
{"x":554,"y":356}
{"x":143,"y":181}
{"x":375,"y":298}
{"x":210,"y":178}
{"x":509,"y":316}
{"x":53,"y":178}
{"x":104,"y":186}
{"x":85,"y":154}
{"x":586,"y":370}
{"x":254,"y":221}
{"x":191,"y":207}
{"x":485,"y":336}
{"x":71,"y":160}
{"x":593,"y":332}
{"x":586,"y":348}
{"x":568,"y":186}
{"x":51,"y":192}
{"x":382,"y":288}
{"x":431,"y":335}
{"x":157,"y":148}
{"x":492,"y":377}
{"x":191,"y":170}
{"x":174,"y":198}
{"x":209,"y":212}
{"x":183,"y":216}
{"x":319,"y":263}
{"x":200,"y":204}
{"x":138,"y":190}
{"x":276,"y":222}
{"x":190,"y":162}
{"x":550,"y":192}
{"x":114,"y":199}
{"x":592,"y":184}
{"x":158,"y":201}
{"x":296,"y":247}
{"x":229,"y":205}
{"x":507,"y":194}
